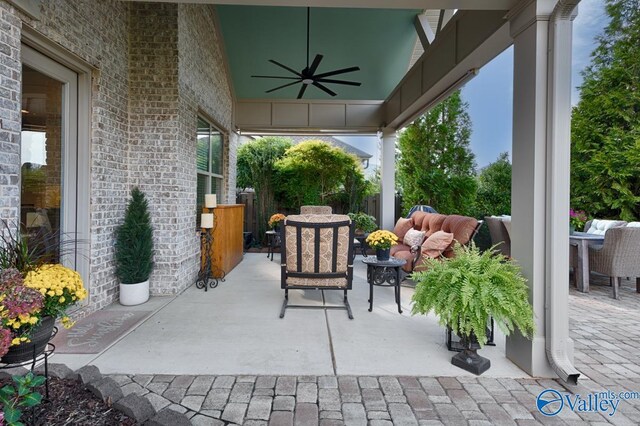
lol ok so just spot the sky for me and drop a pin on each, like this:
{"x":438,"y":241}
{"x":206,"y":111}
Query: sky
{"x":490,"y":94}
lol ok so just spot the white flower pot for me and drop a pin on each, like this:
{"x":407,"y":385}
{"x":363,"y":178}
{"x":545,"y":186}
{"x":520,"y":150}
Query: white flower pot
{"x":134,"y":294}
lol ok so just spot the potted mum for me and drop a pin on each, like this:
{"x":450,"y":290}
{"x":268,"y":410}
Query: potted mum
{"x":466,"y":291}
{"x":30,"y":306}
{"x":382,"y":241}
{"x":275,"y":220}
{"x":134,"y":251}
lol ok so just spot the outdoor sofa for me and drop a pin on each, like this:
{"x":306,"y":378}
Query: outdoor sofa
{"x":463,"y":228}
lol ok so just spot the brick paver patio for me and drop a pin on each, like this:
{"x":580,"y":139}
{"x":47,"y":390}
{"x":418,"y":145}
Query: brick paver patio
{"x":606,"y":336}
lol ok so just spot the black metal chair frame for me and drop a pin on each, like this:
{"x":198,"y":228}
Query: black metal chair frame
{"x":285,"y":274}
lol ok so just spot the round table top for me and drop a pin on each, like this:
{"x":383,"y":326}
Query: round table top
{"x":373,"y":260}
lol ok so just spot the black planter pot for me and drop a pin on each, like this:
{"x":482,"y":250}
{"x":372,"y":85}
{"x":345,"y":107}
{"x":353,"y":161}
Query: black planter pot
{"x":469,"y":359}
{"x":27,"y":351}
{"x":383,"y":254}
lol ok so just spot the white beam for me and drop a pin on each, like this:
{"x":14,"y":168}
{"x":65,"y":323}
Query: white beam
{"x":388,"y":179}
{"x":426,"y":35}
{"x":369,"y":4}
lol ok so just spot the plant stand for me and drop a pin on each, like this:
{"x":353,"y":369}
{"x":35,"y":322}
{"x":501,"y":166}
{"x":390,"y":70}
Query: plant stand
{"x":456,"y":345}
{"x":208,"y":276}
{"x":468,"y":359}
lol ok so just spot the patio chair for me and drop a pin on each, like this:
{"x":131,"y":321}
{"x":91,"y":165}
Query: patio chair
{"x":618,"y":256}
{"x":316,"y":210}
{"x":317,"y":254}
{"x":499,"y":234}
{"x":594,"y":226}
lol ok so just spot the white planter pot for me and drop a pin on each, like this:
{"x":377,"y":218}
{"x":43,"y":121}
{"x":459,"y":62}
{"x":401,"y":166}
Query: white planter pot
{"x":134,"y":294}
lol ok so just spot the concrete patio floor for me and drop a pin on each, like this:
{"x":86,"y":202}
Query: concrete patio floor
{"x":235,"y":329}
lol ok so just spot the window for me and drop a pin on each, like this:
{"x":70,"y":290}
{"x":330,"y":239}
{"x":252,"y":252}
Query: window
{"x":209,"y":162}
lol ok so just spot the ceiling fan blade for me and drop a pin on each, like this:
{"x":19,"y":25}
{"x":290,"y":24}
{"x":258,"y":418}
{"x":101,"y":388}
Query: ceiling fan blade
{"x":285,"y":67}
{"x":336,"y":72}
{"x":302,"y":89}
{"x":314,"y":65}
{"x":283,"y":86}
{"x":275,"y":76}
{"x":348,"y":83}
{"x":323,"y":88}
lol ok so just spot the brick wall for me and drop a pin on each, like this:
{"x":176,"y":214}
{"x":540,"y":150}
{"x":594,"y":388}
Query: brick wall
{"x":156,"y":65}
{"x":10,"y":77}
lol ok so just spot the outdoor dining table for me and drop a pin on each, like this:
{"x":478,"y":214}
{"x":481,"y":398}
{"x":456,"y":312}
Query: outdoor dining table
{"x":581,"y":271}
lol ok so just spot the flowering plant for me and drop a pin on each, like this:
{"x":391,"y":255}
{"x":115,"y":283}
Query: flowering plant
{"x":577,"y":219}
{"x":47,"y":290}
{"x":382,"y":239}
{"x":276,"y":219}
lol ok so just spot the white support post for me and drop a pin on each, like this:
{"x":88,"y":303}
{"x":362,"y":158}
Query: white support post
{"x":388,"y":179}
{"x":540,"y":184}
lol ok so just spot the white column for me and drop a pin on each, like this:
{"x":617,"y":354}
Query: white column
{"x":388,"y":179}
{"x":540,"y":182}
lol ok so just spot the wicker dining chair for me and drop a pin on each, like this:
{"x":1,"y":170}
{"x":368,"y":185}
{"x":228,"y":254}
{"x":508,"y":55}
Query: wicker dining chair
{"x":499,"y":235}
{"x":317,"y":254}
{"x":618,"y":257}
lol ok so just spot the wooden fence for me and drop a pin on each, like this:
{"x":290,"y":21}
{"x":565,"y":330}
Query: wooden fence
{"x":371,"y":206}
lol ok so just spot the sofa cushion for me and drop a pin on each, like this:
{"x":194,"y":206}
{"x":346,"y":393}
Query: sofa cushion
{"x":406,"y":255}
{"x":462,"y":227}
{"x":436,"y":244}
{"x":633,"y":225}
{"x":433,"y":223}
{"x":402,"y":226}
{"x":413,"y":238}
{"x":398,"y":248}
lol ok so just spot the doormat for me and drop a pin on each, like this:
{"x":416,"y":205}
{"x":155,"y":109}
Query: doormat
{"x":96,"y":332}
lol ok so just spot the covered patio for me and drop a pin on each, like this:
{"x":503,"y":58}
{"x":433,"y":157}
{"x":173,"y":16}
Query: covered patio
{"x":234,"y":329}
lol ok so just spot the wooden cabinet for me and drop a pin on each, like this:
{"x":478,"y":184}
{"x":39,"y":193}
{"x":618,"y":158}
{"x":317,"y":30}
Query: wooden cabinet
{"x":228,"y":244}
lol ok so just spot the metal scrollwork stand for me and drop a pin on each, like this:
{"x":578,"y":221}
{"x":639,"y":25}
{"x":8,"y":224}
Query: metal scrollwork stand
{"x":209,"y":275}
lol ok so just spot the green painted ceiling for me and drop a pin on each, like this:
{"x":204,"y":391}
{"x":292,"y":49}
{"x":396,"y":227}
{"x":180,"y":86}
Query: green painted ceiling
{"x":379,"y":41}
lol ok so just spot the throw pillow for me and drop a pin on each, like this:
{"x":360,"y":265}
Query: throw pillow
{"x":402,"y":226}
{"x":436,"y":244}
{"x":413,"y":237}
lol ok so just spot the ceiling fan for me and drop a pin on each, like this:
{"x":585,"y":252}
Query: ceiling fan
{"x":308,"y":75}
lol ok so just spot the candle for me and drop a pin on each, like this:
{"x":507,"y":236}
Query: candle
{"x":210,"y":201}
{"x":206,"y":220}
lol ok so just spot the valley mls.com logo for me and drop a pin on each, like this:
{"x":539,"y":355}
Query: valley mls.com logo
{"x":550,"y":402}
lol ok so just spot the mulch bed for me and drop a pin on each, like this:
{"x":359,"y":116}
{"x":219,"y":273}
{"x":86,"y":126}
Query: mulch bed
{"x":71,"y":404}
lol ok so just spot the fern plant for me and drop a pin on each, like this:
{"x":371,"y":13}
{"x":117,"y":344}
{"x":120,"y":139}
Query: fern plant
{"x":134,"y":241}
{"x":468,"y":289}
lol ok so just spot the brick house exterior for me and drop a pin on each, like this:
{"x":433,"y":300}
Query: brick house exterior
{"x":154,"y":69}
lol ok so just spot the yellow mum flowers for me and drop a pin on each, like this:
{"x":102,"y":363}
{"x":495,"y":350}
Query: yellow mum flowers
{"x":382,"y":239}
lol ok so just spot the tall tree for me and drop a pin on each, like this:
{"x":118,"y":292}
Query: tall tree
{"x":494,"y":188}
{"x":256,"y":169}
{"x":435,"y":165}
{"x":605,"y":151}
{"x":315,"y":172}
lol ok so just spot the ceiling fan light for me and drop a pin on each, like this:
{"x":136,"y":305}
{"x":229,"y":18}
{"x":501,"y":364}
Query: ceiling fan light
{"x":307,"y":81}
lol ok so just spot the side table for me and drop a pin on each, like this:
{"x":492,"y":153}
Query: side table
{"x":384,"y":273}
{"x":273,"y":242}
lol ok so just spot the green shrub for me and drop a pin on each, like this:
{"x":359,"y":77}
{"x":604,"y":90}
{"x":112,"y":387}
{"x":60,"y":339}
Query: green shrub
{"x":134,"y":242}
{"x":364,"y":222}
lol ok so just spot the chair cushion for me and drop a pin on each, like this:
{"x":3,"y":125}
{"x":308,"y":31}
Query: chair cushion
{"x":436,"y":244}
{"x":633,"y":225}
{"x":413,"y":238}
{"x":406,"y":255}
{"x":600,"y":226}
{"x":316,"y":210}
{"x":402,"y":226}
{"x":308,"y":250}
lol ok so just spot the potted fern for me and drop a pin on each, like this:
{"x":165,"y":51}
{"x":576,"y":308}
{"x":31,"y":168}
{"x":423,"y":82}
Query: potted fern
{"x":134,"y":251}
{"x":465,"y":291}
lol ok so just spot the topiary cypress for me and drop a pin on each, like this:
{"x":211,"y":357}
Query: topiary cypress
{"x":134,"y":241}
